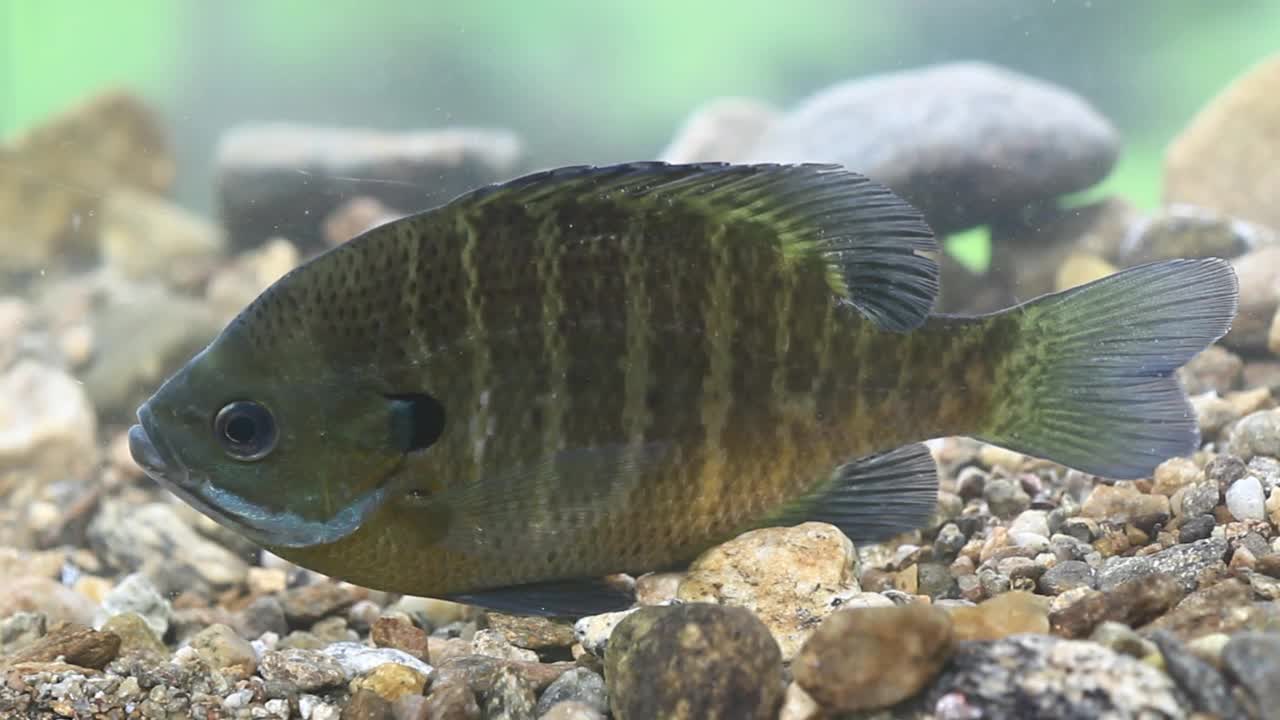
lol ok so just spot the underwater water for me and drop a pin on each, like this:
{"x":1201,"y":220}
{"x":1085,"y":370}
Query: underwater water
{"x":329,"y":389}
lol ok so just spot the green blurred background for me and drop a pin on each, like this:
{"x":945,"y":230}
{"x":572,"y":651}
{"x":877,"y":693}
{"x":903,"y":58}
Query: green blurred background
{"x":600,"y":81}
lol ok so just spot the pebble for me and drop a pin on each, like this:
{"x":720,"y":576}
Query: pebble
{"x":1224,"y":607}
{"x":223,"y":649}
{"x":144,"y":236}
{"x":54,"y":600}
{"x":1075,"y":613}
{"x":1067,"y":575}
{"x":392,"y":632}
{"x":1198,"y":499}
{"x":867,"y":658}
{"x":1033,"y":522}
{"x":366,"y":705}
{"x":356,"y":659}
{"x":494,"y":644}
{"x":1174,"y":474}
{"x":153,"y":539}
{"x":392,"y":681}
{"x":1184,"y":562}
{"x":580,"y":686}
{"x":1213,"y":415}
{"x":1252,"y":660}
{"x":1245,"y":500}
{"x":1007,"y":614}
{"x":1005,"y":497}
{"x":77,"y":644}
{"x":1256,"y":434}
{"x":571,"y":710}
{"x":47,"y":424}
{"x":1026,"y":676}
{"x":1196,"y":528}
{"x":21,"y":629}
{"x":1215,"y":369}
{"x":308,"y":670}
{"x":790,"y":578}
{"x":594,"y":631}
{"x":137,"y":636}
{"x":137,"y":594}
{"x":1122,"y":503}
{"x":511,"y":698}
{"x":533,"y":633}
{"x":1200,"y":681}
{"x":263,"y":615}
{"x":695,"y":660}
{"x":304,"y":606}
{"x":1122,"y":639}
{"x":452,"y":701}
{"x":979,"y":121}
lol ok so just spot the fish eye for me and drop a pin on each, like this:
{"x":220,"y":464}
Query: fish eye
{"x":246,"y":430}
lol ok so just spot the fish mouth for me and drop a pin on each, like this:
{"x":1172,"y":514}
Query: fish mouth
{"x":266,"y":526}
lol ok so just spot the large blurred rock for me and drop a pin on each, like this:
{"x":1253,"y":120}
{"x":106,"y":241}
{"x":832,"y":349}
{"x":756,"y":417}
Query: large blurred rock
{"x":1259,"y":276}
{"x":145,"y":237}
{"x":1186,"y":231}
{"x":1228,"y":157}
{"x":284,"y":180}
{"x":966,"y":142}
{"x":54,"y":176}
{"x":721,"y":130}
{"x":236,"y":285}
{"x":47,"y":425}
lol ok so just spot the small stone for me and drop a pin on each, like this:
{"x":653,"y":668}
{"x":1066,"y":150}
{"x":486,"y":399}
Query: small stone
{"x":1198,"y":679}
{"x":1245,"y":500}
{"x":1213,"y":415}
{"x":1196,"y":528}
{"x":1256,"y":434}
{"x":511,"y":698}
{"x":1003,"y":615}
{"x":1040,"y":676}
{"x":307,"y":605}
{"x":1075,"y":613}
{"x":494,"y":644}
{"x":1122,"y":639}
{"x":1215,"y":369}
{"x":144,"y":236}
{"x":1226,"y":606}
{"x":1174,"y":474}
{"x":1122,"y":503}
{"x":47,"y":424}
{"x":267,"y":580}
{"x":790,"y":578}
{"x":452,"y":701}
{"x":137,"y":594}
{"x":1084,"y":530}
{"x":1209,"y":647}
{"x":1066,"y":575}
{"x":223,"y":649}
{"x":264,"y":615}
{"x":533,"y":633}
{"x":1005,"y":497}
{"x":366,"y":705}
{"x":1199,"y":499}
{"x":480,"y":672}
{"x":77,"y":644}
{"x":579,"y":685}
{"x":391,"y":681}
{"x":21,"y":629}
{"x":356,"y":659}
{"x":658,"y":588}
{"x":1252,"y":660}
{"x":695,"y":660}
{"x":401,"y":635}
{"x":430,"y":613}
{"x":137,"y":637}
{"x":867,"y":658}
{"x":57,"y":602}
{"x":309,"y":670}
{"x":1186,"y":563}
{"x":1034,"y":522}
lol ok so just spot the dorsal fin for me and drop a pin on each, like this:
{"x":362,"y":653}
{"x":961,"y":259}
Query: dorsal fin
{"x":869,"y":239}
{"x":873,"y":498}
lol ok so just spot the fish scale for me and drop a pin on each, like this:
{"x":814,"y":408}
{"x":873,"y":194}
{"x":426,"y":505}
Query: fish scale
{"x":589,"y":371}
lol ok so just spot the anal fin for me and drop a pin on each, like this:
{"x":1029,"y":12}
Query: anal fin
{"x":872,"y":498}
{"x":563,"y":598}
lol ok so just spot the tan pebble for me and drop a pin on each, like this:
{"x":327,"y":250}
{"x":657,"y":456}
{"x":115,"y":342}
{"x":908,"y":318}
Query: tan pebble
{"x":996,"y":541}
{"x":93,"y":587}
{"x":657,"y":588}
{"x":1080,"y":268}
{"x":991,"y":456}
{"x":1003,"y":615}
{"x":1174,"y":474}
{"x":1245,"y":402}
{"x":267,"y":580}
{"x":1123,"y":502}
{"x":391,"y":681}
{"x":76,"y":344}
{"x":908,"y":580}
{"x":401,"y":634}
{"x":1242,"y":559}
{"x":799,"y":705}
{"x":1273,"y":507}
{"x":1209,"y":647}
{"x":962,"y":565}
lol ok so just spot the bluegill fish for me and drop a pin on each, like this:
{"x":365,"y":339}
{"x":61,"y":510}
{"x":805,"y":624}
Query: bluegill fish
{"x":590,"y":371}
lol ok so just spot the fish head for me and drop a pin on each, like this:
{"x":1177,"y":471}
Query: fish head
{"x":283,"y":452}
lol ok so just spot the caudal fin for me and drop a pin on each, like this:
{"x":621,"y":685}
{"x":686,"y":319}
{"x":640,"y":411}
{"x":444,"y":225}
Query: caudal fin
{"x":1091,"y":384}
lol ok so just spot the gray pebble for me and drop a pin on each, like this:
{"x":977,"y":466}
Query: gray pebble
{"x":579,"y":685}
{"x":1200,"y":499}
{"x":1183,"y":562}
{"x":1257,"y":434}
{"x":1122,"y":639}
{"x":1196,"y":528}
{"x":1067,"y":575}
{"x":1252,"y":660}
{"x":992,"y":582}
{"x":1035,"y":522}
{"x":949,"y":542}
{"x":1005,"y":497}
{"x":137,"y":594}
{"x":1267,"y":470}
{"x":1198,"y":679}
{"x":1083,"y":529}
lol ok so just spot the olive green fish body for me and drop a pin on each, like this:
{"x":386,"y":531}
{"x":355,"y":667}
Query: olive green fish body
{"x":600,"y":370}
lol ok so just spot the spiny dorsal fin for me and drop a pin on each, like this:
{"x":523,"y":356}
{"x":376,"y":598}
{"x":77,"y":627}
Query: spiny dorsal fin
{"x":872,"y":498}
{"x":869,"y":238}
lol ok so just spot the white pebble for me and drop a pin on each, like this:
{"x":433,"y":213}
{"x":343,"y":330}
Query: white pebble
{"x":1245,"y":499}
{"x":1031,"y":521}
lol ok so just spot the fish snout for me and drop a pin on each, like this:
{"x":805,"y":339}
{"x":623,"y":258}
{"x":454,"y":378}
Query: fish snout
{"x":145,"y":453}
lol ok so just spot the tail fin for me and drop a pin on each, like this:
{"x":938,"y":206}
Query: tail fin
{"x":1091,"y":383}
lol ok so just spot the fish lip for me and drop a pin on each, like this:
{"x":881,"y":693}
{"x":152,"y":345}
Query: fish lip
{"x":153,"y":454}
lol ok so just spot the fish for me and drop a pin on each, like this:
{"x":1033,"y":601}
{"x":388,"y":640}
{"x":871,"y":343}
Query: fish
{"x":517,"y":397}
